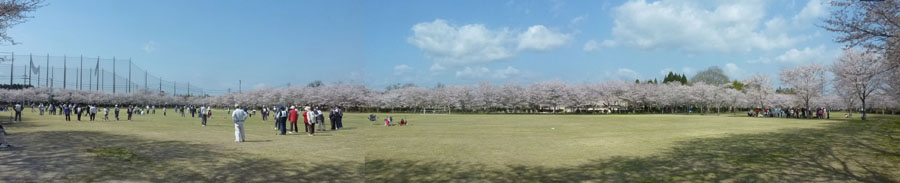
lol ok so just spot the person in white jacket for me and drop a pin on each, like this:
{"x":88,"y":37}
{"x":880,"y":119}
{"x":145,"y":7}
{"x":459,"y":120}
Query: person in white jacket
{"x":239,"y":116}
{"x":311,"y":115}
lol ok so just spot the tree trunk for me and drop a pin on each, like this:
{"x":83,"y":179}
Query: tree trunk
{"x":863,"y":109}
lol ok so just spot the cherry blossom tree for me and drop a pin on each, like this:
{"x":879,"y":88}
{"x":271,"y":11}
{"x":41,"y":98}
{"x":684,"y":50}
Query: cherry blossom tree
{"x":861,"y":73}
{"x":807,"y":82}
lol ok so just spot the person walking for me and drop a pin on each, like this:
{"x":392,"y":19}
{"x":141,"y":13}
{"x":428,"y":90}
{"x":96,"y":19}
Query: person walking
{"x":204,"y":110}
{"x":105,"y":114}
{"x":281,"y":119}
{"x":93,"y":111}
{"x":292,"y":117}
{"x":78,"y":111}
{"x":311,"y":120}
{"x":239,"y":116}
{"x":18,"y":109}
{"x":67,"y":111}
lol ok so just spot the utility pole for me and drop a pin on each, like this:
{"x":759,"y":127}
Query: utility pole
{"x":145,"y":79}
{"x":174,"y":87}
{"x":65,"y":70}
{"x":39,"y":76}
{"x":239,"y":86}
{"x":129,"y":76}
{"x":30,"y":73}
{"x":97,"y":73}
{"x":49,"y":83}
{"x":48,"y":73}
{"x":81,"y":73}
{"x":189,"y":88}
{"x":114,"y":75}
{"x":11,"y":66}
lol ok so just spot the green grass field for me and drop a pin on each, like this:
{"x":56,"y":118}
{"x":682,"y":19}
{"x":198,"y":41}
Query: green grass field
{"x":457,"y":148}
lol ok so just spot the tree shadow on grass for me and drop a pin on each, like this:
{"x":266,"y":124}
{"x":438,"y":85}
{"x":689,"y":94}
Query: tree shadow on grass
{"x":856,"y":151}
{"x":853,"y":151}
{"x":70,"y":157}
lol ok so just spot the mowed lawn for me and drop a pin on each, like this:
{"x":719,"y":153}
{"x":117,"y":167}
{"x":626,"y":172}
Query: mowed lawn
{"x":438,"y":148}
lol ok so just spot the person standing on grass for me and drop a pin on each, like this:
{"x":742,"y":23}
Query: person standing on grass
{"x":339,"y":117}
{"x":264,"y":112}
{"x":310,"y":119}
{"x":67,"y":111}
{"x":105,"y":114}
{"x":332,"y":119}
{"x":18,"y":109}
{"x":203,"y":111}
{"x":78,"y":111}
{"x":305,"y":118}
{"x":164,"y":111}
{"x":281,"y":119}
{"x":93,"y":111}
{"x":117,"y":112}
{"x":239,"y":116}
{"x":292,"y":116}
{"x":320,"y":119}
{"x":130,"y":111}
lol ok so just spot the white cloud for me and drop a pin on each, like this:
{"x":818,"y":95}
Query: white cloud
{"x":578,"y":19}
{"x":665,"y":71}
{"x":593,"y":45}
{"x":450,"y":45}
{"x":149,"y":46}
{"x":402,"y":69}
{"x":733,"y":71}
{"x":808,"y":55}
{"x":437,"y":67}
{"x":506,"y":73}
{"x":690,"y":25}
{"x":460,"y":44}
{"x":259,"y":85}
{"x":485,"y":73}
{"x":814,"y":9}
{"x":688,"y":70}
{"x":623,"y":74}
{"x":540,"y":38}
{"x":473,"y":73}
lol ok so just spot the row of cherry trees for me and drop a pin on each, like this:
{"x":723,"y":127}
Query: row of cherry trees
{"x":547,"y":96}
{"x":859,"y":82}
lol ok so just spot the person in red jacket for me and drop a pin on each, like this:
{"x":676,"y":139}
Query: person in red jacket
{"x":305,"y":120}
{"x":292,"y":116}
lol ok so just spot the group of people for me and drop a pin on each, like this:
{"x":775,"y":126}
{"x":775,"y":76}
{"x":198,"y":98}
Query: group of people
{"x":90,"y":111}
{"x":312,"y":117}
{"x":797,"y":113}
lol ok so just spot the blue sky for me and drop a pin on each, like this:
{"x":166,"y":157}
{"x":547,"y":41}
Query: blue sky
{"x":271,"y":43}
